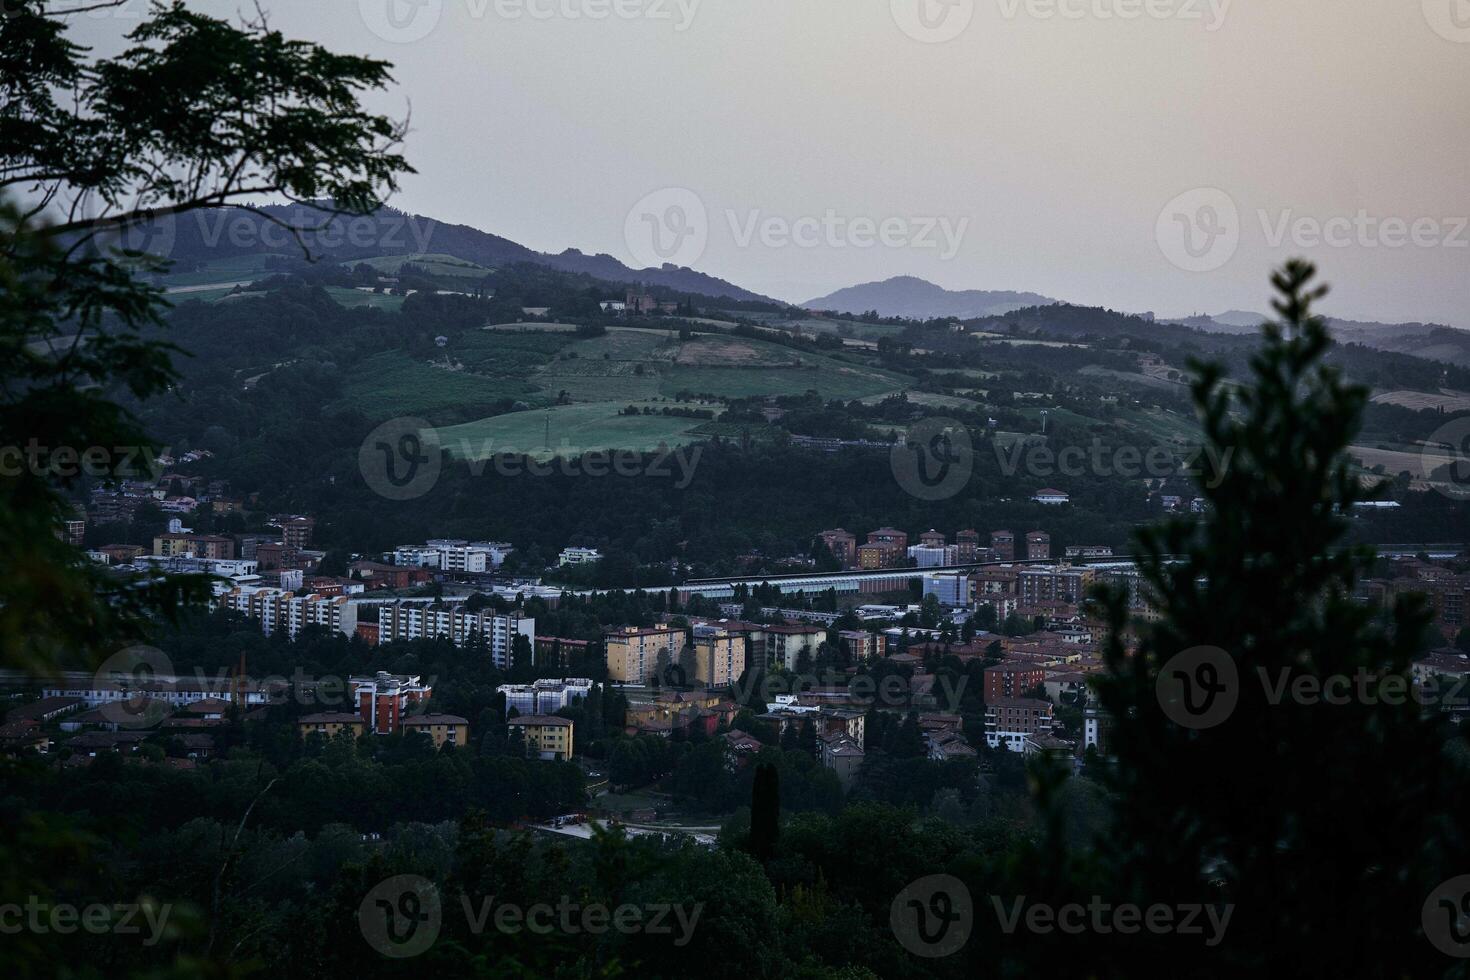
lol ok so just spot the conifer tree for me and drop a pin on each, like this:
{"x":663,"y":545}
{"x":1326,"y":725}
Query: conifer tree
{"x":1325,"y":826}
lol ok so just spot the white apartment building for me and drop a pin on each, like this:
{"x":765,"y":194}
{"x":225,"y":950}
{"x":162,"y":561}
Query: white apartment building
{"x":453,"y":555}
{"x":283,"y":609}
{"x":578,"y":556}
{"x":546,"y":696}
{"x":408,"y":620}
{"x":950,"y":588}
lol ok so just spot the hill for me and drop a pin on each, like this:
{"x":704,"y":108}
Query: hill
{"x":919,"y":299}
{"x":231,"y":233}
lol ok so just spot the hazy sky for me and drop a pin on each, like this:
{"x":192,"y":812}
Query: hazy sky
{"x":1048,"y":139}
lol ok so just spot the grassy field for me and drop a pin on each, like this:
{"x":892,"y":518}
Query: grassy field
{"x":347,"y":296}
{"x":568,"y":430}
{"x":437,"y":264}
{"x":223,"y":270}
{"x":392,"y":383}
{"x":1165,"y":428}
{"x":846,"y":328}
{"x":1446,"y":400}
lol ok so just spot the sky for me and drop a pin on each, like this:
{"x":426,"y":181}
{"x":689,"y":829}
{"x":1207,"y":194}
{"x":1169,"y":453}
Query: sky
{"x":1144,"y":155}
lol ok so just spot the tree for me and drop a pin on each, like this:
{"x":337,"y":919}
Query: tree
{"x":765,"y":812}
{"x":1320,"y":823}
{"x":194,"y":114}
{"x":807,"y":739}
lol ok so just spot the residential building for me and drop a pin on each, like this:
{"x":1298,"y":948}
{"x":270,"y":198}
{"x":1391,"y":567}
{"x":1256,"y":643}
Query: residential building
{"x":1003,"y":545}
{"x":929,"y":556}
{"x":329,"y":723}
{"x":1096,"y":726}
{"x":895,"y":545}
{"x":719,"y":656}
{"x":296,"y":532}
{"x":784,"y":643}
{"x":407,"y":619}
{"x":843,"y":545}
{"x":1087,"y":551}
{"x":545,"y":696}
{"x":632,"y":653}
{"x":1045,"y":583}
{"x":284,"y":610}
{"x":843,"y":755}
{"x":578,"y":556}
{"x":872,"y":556}
{"x":994,"y":581}
{"x":45,"y":709}
{"x":947,"y":744}
{"x":546,"y":736}
{"x":74,"y":532}
{"x":385,"y":700}
{"x":1050,"y":495}
{"x":1008,"y":721}
{"x":950,"y":588}
{"x":862,"y":645}
{"x":380,"y":576}
{"x":932,"y":539}
{"x":442,"y":729}
{"x":193,"y":545}
{"x":1038,"y":546}
{"x":1011,"y":679}
{"x":967,"y":546}
{"x":560,"y":651}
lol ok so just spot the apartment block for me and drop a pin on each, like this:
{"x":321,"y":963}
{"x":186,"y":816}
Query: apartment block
{"x":406,"y":619}
{"x":545,"y":696}
{"x":862,"y":645}
{"x":785,"y":643}
{"x":1010,"y":721}
{"x":546,"y":736}
{"x":967,"y":546}
{"x":719,"y":656}
{"x":385,"y":700}
{"x":1003,"y":545}
{"x":632,"y":652}
{"x":280,"y":609}
{"x":1065,"y":583}
{"x":193,"y":545}
{"x":1011,"y":680}
{"x":329,"y":723}
{"x":843,"y":545}
{"x":441,"y":729}
{"x":1038,"y":546}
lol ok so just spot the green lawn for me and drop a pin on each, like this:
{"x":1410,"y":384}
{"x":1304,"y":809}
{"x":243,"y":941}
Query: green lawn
{"x":573,"y":429}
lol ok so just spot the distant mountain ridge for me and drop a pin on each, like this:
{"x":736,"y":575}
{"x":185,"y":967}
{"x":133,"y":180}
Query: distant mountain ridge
{"x":227,"y":232}
{"x":1433,"y":341}
{"x":915,"y":298}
